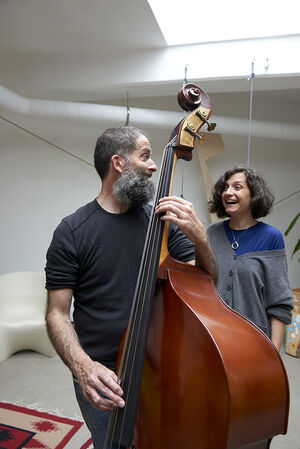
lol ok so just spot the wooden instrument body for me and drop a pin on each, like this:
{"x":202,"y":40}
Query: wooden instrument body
{"x":211,"y":379}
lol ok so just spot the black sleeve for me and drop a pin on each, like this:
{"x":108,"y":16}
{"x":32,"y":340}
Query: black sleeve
{"x":179,"y":246}
{"x":61,"y":266}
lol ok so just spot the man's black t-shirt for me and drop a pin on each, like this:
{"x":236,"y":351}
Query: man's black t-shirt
{"x":98,"y":254}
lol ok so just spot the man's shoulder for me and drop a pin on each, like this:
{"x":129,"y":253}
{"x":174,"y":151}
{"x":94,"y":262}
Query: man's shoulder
{"x":81,"y":215}
{"x":147,"y":208}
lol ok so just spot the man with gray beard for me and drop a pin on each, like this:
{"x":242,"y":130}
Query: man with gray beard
{"x":95,"y":256}
{"x":133,"y":187}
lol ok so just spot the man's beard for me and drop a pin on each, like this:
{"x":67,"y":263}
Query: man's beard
{"x":133,"y":188}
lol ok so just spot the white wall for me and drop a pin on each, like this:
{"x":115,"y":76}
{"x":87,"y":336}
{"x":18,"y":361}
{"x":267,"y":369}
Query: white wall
{"x":40,"y":184}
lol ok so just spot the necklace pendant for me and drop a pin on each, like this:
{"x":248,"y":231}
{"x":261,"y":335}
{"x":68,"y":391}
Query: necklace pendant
{"x":235,"y":245}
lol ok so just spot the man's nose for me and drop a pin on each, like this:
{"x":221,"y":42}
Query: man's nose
{"x":152,"y":166}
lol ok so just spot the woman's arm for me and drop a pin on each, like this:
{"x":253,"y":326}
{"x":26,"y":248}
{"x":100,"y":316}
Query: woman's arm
{"x":277,"y":332}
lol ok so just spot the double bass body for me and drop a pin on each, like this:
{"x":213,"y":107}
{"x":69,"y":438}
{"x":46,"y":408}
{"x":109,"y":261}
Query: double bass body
{"x":211,"y":379}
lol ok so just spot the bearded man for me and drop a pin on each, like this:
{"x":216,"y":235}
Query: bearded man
{"x":95,"y":256}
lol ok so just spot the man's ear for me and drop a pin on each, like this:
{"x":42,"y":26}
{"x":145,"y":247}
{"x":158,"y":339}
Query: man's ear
{"x":118,"y":163}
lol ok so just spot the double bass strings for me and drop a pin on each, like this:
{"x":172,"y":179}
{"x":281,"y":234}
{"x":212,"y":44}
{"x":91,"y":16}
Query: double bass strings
{"x":144,"y":288}
{"x":145,"y":293}
{"x":129,"y":335}
{"x":152,"y":230}
{"x":143,"y":297}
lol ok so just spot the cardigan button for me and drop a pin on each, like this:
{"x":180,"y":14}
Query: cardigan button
{"x":228,"y":288}
{"x":234,"y":257}
{"x":230,"y":273}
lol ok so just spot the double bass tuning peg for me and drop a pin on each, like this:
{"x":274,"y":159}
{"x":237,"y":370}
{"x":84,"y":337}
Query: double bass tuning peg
{"x":210,"y":126}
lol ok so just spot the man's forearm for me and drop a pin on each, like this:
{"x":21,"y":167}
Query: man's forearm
{"x":66,"y":343}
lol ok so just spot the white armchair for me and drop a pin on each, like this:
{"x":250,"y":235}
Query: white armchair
{"x":22,"y":314}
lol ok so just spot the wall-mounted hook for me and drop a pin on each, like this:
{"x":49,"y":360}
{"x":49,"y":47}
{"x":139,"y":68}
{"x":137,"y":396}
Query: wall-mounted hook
{"x":251,"y":78}
{"x":185,"y":81}
{"x":128,"y":110}
{"x":267,"y":65}
{"x":252,"y":75}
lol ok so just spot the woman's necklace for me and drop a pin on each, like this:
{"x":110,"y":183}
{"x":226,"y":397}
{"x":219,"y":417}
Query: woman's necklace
{"x":235,"y":244}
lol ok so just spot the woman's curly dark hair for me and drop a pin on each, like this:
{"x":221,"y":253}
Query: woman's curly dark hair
{"x":261,"y":197}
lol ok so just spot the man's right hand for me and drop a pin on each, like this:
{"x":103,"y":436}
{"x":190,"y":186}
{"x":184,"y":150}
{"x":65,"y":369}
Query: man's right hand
{"x":101,"y":386}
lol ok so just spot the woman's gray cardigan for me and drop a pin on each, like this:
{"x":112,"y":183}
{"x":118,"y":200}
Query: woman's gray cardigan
{"x":254,"y":284}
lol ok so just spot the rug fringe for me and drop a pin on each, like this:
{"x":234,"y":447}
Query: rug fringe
{"x":36,"y":406}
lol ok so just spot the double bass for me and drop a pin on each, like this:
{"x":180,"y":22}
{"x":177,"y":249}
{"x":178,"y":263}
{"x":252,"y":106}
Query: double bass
{"x":195,"y":373}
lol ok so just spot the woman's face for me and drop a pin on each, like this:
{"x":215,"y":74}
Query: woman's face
{"x":236,"y":196}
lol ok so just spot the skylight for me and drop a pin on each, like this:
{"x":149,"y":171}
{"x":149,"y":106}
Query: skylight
{"x":197,"y":21}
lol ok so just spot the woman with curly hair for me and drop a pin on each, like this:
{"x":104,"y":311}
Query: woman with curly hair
{"x":251,"y":254}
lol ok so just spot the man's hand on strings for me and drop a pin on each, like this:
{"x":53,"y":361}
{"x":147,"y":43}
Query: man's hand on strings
{"x":183,"y":214}
{"x":97,"y":379}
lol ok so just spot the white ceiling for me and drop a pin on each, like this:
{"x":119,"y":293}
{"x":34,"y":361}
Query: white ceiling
{"x":91,"y":50}
{"x":101,"y":51}
{"x":98,"y":51}
{"x":46,"y":47}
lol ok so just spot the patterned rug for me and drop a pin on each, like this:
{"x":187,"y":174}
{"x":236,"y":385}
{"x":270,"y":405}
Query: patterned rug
{"x":87,"y":445}
{"x":22,"y":427}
